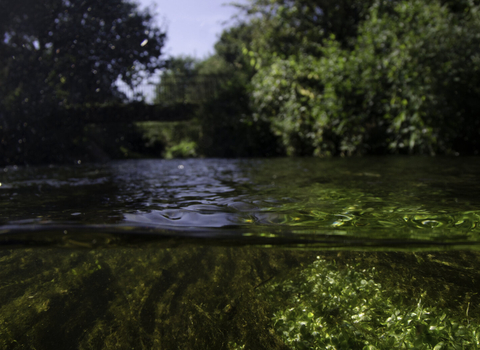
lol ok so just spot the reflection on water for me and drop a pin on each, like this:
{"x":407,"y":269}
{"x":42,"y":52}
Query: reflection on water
{"x":241,"y":254}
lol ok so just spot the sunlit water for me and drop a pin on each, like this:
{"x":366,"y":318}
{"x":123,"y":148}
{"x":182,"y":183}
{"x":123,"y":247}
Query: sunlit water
{"x":241,"y":254}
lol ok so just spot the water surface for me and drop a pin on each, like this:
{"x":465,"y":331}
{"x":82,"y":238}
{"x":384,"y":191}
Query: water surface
{"x":336,"y":201}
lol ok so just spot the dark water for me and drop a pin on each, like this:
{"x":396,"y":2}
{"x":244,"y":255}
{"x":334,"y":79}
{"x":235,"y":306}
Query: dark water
{"x":367,"y":253}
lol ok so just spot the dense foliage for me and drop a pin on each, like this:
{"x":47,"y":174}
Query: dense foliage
{"x":64,"y":53}
{"x":410,"y":84}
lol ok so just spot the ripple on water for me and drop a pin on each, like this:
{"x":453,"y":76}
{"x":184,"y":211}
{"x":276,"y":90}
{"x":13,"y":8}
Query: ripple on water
{"x":363,"y":198}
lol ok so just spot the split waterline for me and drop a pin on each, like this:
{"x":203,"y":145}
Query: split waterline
{"x":241,"y":254}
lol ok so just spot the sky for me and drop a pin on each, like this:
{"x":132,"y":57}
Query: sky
{"x":193,"y":26}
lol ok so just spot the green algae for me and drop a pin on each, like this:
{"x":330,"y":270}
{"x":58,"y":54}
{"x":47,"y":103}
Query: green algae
{"x":211,"y":297}
{"x":184,"y":297}
{"x":380,"y":301}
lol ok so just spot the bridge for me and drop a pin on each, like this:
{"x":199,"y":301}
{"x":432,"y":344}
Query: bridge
{"x":176,"y":88}
{"x":132,"y":112}
{"x":176,"y":98}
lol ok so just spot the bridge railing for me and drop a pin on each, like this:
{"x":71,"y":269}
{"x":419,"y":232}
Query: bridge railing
{"x":177,"y":88}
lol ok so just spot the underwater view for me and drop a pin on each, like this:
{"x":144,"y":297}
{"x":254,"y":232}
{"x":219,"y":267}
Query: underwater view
{"x":279,"y":253}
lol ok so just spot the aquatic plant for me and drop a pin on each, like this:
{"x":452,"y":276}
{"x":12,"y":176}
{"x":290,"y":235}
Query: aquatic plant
{"x":329,"y":306}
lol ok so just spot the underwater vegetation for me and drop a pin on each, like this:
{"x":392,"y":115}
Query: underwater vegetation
{"x":190,"y":297}
{"x":409,"y":301}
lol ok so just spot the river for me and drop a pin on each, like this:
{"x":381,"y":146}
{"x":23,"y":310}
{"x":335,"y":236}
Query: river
{"x":286,"y":253}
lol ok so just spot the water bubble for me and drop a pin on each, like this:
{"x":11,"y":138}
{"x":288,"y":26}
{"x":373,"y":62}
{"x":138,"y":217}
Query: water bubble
{"x":432,"y":223}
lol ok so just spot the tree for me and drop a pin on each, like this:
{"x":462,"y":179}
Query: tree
{"x":228,"y":126}
{"x":64,"y":53}
{"x":219,"y":85}
{"x":284,"y":33}
{"x":82,"y":47}
{"x":177,"y":81}
{"x":409,"y":84}
{"x":285,"y":28}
